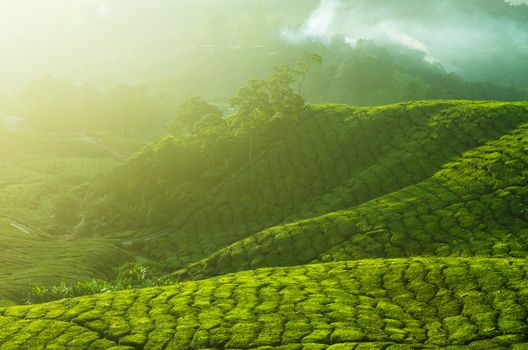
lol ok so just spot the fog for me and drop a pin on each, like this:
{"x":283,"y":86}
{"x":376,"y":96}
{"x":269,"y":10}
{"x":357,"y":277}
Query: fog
{"x":109,"y":42}
{"x":118,"y":40}
{"x":472,"y":38}
{"x":82,"y":39}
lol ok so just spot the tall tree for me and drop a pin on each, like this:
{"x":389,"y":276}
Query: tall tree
{"x":263,"y":100}
{"x":192,"y":111}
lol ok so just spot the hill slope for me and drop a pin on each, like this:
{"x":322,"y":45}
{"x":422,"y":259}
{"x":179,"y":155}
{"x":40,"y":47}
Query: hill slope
{"x":476,"y":205}
{"x":330,"y":159}
{"x":370,"y":304}
{"x":35,"y":173}
{"x":398,"y":227}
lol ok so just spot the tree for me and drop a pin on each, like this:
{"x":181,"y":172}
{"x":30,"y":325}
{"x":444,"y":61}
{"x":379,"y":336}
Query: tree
{"x":129,"y":107}
{"x":270,"y":98}
{"x":92,"y":113}
{"x":211,"y":133}
{"x":263,"y":100}
{"x":190,"y":112}
{"x":304,"y":67}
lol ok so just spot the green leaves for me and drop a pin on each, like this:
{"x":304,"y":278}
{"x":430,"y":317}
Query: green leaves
{"x":400,"y":304}
{"x":191,"y":112}
{"x":267,"y":99}
{"x":137,"y":276}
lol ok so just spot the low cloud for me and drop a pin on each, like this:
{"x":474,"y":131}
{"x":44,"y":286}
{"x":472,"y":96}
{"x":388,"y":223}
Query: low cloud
{"x":451,"y":32}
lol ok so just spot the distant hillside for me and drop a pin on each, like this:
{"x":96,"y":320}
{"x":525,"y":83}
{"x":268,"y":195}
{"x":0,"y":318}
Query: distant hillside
{"x":369,"y":73}
{"x":35,"y":174}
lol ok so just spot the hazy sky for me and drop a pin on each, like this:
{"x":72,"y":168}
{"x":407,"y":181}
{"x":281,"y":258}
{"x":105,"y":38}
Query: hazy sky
{"x":98,"y":39}
{"x":94,"y":39}
{"x":81,"y":37}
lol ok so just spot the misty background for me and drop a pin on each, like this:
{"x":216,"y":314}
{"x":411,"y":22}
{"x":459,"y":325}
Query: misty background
{"x":122,"y":64}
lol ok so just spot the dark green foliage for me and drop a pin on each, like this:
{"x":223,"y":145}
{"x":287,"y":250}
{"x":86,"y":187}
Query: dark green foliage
{"x":475,"y":205}
{"x":198,"y":195}
{"x":191,"y":112}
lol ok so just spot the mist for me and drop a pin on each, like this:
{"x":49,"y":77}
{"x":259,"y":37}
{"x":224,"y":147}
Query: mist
{"x":465,"y":37}
{"x":117,"y":41}
{"x":120,"y":40}
{"x":174,"y":50}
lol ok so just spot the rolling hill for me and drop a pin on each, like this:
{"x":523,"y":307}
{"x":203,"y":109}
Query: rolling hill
{"x":35,"y":174}
{"x":394,"y":227}
{"x":376,"y":164}
{"x":371,"y":304}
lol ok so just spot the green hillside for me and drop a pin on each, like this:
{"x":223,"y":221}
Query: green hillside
{"x":395,"y":227}
{"x":476,"y":205}
{"x":370,"y":304}
{"x":264,"y":174}
{"x":35,"y":175}
{"x":36,"y":259}
{"x":171,"y":209}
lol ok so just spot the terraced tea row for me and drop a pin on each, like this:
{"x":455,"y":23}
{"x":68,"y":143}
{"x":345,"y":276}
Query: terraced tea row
{"x":449,"y":303}
{"x":35,"y":173}
{"x":476,"y":205}
{"x":335,"y":158}
{"x":31,"y":259}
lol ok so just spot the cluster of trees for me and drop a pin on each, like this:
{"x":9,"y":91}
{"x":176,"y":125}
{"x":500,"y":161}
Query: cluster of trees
{"x":53,"y":104}
{"x":205,"y":147}
{"x":260,"y":100}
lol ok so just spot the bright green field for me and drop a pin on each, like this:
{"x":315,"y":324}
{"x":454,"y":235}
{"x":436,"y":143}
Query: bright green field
{"x":370,"y":304}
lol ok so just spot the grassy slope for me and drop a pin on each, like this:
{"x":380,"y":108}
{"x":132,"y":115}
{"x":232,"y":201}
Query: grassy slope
{"x":34,"y":171}
{"x":338,"y":157}
{"x":371,"y":304}
{"x":43,"y":260}
{"x":476,"y":205}
{"x":446,"y":180}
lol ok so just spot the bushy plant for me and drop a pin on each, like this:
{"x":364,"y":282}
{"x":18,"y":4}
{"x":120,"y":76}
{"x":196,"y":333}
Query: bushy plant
{"x":137,"y":276}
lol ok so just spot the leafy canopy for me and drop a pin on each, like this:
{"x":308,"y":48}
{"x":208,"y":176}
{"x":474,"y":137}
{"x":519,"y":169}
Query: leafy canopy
{"x":191,"y":112}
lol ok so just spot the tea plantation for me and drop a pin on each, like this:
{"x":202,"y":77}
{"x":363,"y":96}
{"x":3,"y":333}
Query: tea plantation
{"x":476,"y":205}
{"x":331,"y":159}
{"x":435,"y":303}
{"x":396,"y":227}
{"x":35,"y":175}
